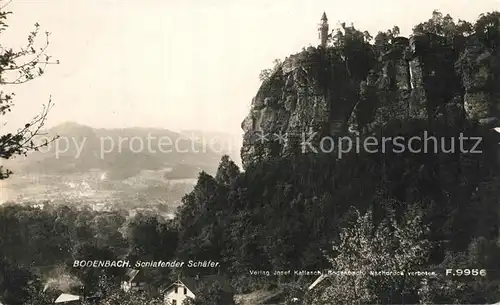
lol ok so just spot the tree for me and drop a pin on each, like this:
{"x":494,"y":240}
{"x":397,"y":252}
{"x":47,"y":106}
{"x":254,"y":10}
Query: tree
{"x":94,"y":278}
{"x":200,"y":232}
{"x":143,"y":237}
{"x":392,"y":246}
{"x":382,"y":41}
{"x":17,"y":285}
{"x":213,"y":293}
{"x":150,"y":238}
{"x":267,"y":73}
{"x":354,"y":48}
{"x":18,"y":67}
{"x":482,"y":289}
{"x":488,"y":28}
{"x":443,"y":26}
{"x":227,"y":172}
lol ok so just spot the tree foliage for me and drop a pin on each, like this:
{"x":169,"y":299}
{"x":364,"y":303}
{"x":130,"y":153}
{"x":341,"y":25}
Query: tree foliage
{"x":18,"y":285}
{"x":18,"y":67}
{"x":213,"y":293}
{"x":444,"y":26}
{"x":394,"y":246}
{"x":227,"y":172}
{"x":267,"y":73}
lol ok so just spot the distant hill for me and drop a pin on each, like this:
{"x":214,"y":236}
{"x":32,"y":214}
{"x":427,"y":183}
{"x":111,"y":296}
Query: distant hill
{"x":122,"y":153}
{"x":225,"y":143}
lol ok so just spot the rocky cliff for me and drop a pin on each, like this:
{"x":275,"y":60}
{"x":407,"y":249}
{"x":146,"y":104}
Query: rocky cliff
{"x":333,"y":91}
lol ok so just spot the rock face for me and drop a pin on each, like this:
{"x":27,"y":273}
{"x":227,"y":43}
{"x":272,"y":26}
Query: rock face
{"x":320,"y":92}
{"x":298,"y":98}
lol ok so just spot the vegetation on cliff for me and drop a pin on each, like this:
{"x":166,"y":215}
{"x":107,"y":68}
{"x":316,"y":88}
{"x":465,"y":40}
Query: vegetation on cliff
{"x":445,"y":72}
{"x":286,"y":209}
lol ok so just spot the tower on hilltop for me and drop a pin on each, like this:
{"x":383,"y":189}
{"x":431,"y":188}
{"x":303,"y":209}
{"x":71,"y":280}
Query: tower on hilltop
{"x":323,"y":30}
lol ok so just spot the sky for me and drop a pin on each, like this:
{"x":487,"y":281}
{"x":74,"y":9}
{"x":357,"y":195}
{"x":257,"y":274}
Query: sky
{"x":181,"y":64}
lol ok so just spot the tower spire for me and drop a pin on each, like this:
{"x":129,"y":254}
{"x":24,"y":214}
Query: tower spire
{"x":323,"y":30}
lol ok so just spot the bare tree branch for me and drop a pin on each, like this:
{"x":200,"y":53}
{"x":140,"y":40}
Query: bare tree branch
{"x":33,"y":64}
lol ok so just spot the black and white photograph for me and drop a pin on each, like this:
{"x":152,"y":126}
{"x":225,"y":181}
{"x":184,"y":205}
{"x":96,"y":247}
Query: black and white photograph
{"x":231,"y":152}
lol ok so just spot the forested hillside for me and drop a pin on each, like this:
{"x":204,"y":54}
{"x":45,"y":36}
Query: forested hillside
{"x":294,"y":209}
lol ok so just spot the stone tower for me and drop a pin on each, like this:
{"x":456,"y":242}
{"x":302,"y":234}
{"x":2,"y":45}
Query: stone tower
{"x":323,"y":30}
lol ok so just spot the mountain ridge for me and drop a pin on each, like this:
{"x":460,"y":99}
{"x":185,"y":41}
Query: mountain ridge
{"x":122,"y":152}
